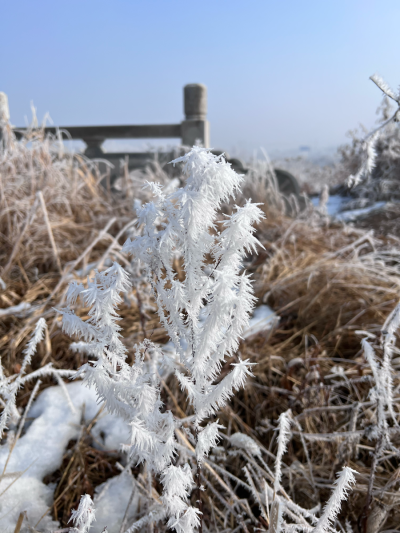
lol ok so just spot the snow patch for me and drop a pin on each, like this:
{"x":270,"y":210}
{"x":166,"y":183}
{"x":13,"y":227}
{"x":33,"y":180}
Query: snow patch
{"x":41,"y":449}
{"x":335,"y":203}
{"x":353,"y":214}
{"x":262,"y":320}
{"x":111,"y":501}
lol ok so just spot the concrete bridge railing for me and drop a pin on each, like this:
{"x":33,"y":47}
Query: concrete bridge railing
{"x":194,"y":128}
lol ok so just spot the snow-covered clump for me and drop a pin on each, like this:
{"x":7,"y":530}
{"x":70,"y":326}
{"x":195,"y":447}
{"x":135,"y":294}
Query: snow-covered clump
{"x":56,"y":414}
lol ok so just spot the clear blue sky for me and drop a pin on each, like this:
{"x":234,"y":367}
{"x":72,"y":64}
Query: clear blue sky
{"x":280,"y":73}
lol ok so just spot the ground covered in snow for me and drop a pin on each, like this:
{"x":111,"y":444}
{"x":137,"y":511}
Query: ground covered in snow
{"x":39,"y":452}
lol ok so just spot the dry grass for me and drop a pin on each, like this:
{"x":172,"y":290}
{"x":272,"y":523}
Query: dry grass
{"x":324,"y":281}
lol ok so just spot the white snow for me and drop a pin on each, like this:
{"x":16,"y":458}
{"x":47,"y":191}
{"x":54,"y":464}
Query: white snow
{"x":111,"y":501}
{"x":334,"y":205}
{"x":353,"y":214}
{"x":41,"y":449}
{"x":262,"y":320}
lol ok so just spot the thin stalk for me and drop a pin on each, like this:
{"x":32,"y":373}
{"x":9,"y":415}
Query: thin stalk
{"x":49,"y":230}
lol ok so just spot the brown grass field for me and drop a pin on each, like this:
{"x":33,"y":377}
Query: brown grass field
{"x":324,"y":280}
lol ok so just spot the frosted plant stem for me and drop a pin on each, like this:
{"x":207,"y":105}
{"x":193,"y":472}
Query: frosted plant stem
{"x":200,"y":496}
{"x":141,"y":313}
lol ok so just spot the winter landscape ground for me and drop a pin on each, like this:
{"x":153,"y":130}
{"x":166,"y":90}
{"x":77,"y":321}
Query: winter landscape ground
{"x":176,"y":357}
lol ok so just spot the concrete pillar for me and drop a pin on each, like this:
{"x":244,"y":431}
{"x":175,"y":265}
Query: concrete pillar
{"x":195,"y":127}
{"x":4,"y":109}
{"x":93,"y":147}
{"x":4,"y":119}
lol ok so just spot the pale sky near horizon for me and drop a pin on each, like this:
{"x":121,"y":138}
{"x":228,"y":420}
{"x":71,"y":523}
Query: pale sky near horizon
{"x":280,"y":74}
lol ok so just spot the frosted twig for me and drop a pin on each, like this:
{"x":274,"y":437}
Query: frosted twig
{"x":283,"y":438}
{"x":342,"y":485}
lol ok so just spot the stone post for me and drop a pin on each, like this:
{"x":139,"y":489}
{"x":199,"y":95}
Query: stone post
{"x":195,"y":127}
{"x":93,"y":147}
{"x":4,"y":118}
{"x":4,"y":109}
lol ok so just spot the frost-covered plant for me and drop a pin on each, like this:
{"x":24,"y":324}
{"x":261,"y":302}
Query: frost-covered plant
{"x":204,"y":316}
{"x":382,"y":392}
{"x":131,"y":392}
{"x":9,"y":386}
{"x":83,"y":517}
{"x":377,"y":154}
{"x":205,"y":313}
{"x":342,"y":485}
{"x":382,"y":395}
{"x":277,"y":508}
{"x":283,"y":439}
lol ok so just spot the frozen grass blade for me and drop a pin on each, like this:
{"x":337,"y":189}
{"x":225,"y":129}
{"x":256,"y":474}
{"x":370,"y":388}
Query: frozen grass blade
{"x":343,"y":484}
{"x":283,"y":439}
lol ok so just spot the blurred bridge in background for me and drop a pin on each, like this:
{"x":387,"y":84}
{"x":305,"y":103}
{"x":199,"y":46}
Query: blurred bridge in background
{"x":193,"y":129}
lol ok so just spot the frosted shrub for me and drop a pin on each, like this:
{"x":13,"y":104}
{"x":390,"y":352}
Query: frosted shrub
{"x":371,"y":162}
{"x":204,"y":316}
{"x":129,"y":391}
{"x":206,"y":313}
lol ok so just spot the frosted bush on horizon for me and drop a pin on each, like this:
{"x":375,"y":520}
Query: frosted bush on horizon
{"x":204,"y":316}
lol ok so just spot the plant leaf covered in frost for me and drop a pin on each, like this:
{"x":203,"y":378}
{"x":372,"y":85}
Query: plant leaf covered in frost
{"x":207,"y":439}
{"x":383,"y":86}
{"x":283,"y":439}
{"x":369,"y":155}
{"x":9,"y":387}
{"x":83,"y":517}
{"x":342,"y":485}
{"x":204,"y":316}
{"x":382,"y":392}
